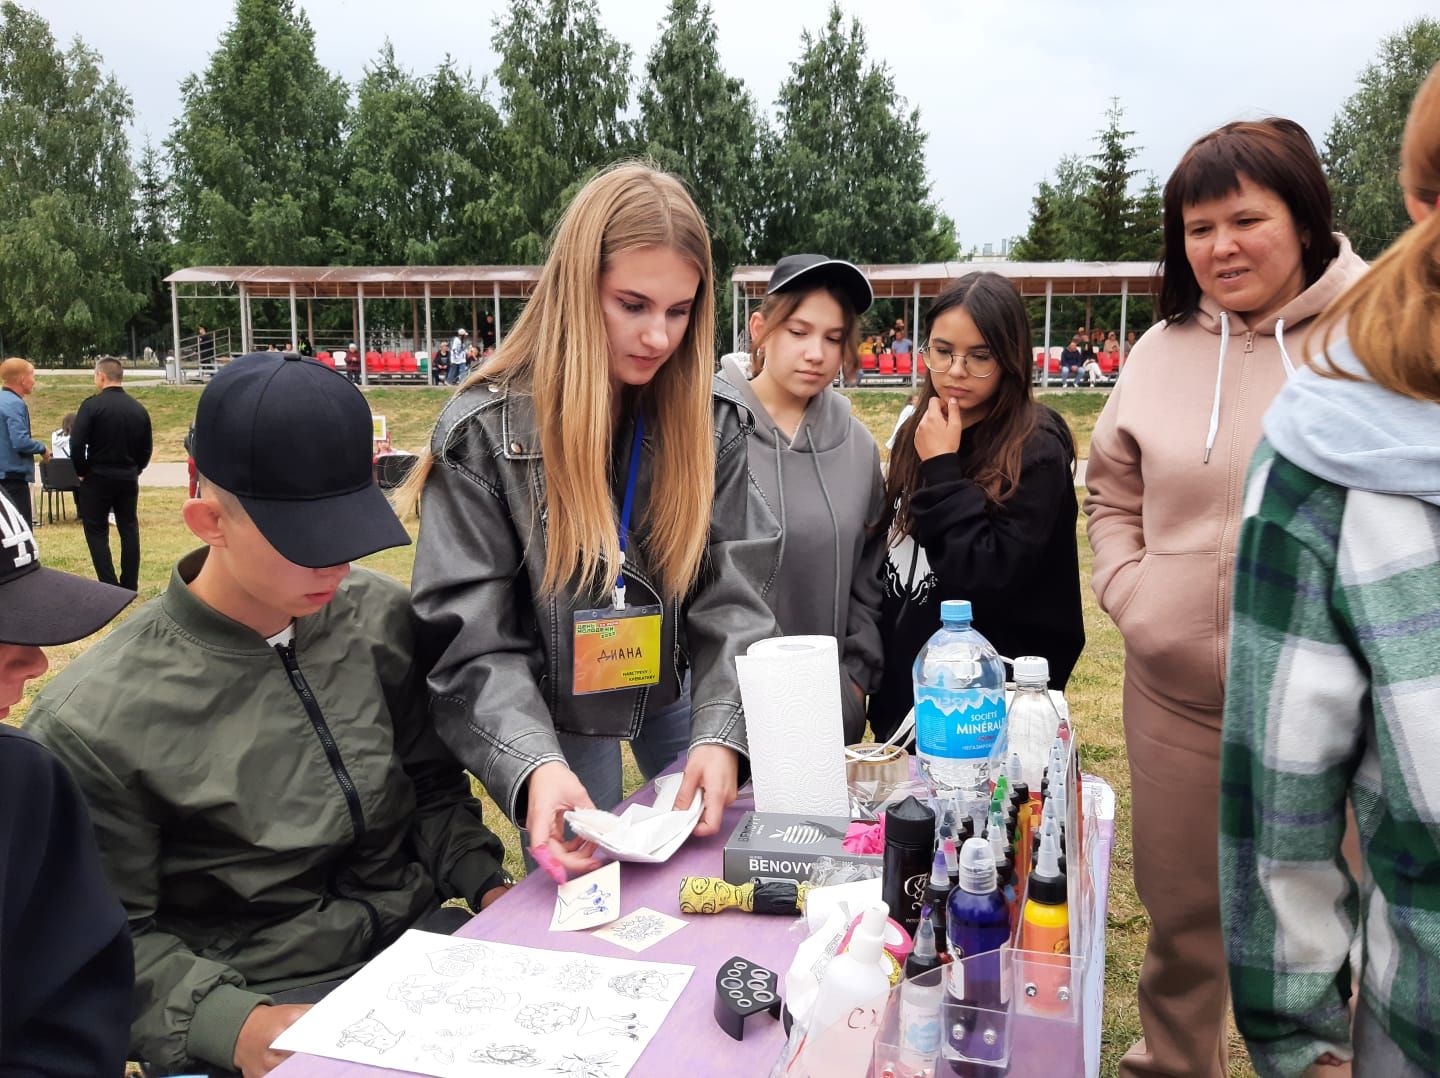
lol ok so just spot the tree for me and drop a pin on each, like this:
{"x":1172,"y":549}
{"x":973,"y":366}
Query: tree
{"x":848,"y":175}
{"x":256,"y":145}
{"x":153,"y":243}
{"x":1043,"y":241}
{"x":419,"y":151}
{"x":1107,"y":195}
{"x":1145,"y":223}
{"x":565,"y":86}
{"x":65,"y":195}
{"x":702,"y":125}
{"x":1362,"y":150}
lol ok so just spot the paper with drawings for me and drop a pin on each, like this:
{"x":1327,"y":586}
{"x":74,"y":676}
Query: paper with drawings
{"x":641,"y":929}
{"x":447,"y":1007}
{"x":647,"y":833}
{"x":587,"y":901}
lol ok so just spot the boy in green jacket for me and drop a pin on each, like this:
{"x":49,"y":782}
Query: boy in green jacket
{"x":272,"y":804}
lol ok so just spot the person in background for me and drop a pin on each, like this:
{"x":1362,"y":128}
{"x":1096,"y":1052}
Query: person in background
{"x":472,"y":357}
{"x":1112,"y":344}
{"x":1250,"y":259}
{"x":440,"y":365}
{"x":596,"y":429}
{"x":60,"y":439}
{"x":1071,"y":361}
{"x":352,"y":363}
{"x":818,"y":466}
{"x":900,"y":343}
{"x":1129,"y":343}
{"x":487,"y":332}
{"x":18,"y":447}
{"x":110,"y":447}
{"x":1331,"y":689}
{"x":272,"y":804}
{"x":67,"y":975}
{"x":982,"y":490}
{"x":457,"y":356}
{"x":1091,"y":371}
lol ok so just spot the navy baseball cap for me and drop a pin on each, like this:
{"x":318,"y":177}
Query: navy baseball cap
{"x":42,"y":607}
{"x":292,"y":440}
{"x":793,"y":271}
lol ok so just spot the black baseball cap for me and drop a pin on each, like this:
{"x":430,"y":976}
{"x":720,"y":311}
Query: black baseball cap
{"x":292,"y":440}
{"x":794,"y":270}
{"x":42,"y":607}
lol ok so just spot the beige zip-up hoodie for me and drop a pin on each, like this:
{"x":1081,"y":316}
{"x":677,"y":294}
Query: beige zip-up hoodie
{"x":1166,"y":476}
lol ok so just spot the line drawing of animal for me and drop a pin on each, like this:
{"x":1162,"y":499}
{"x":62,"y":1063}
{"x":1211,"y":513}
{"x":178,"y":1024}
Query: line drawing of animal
{"x":546,"y":1018}
{"x":510,"y":1055}
{"x":578,"y":1066}
{"x":439,"y":1053}
{"x":642,"y":984}
{"x":484,"y":998}
{"x":805,"y":834}
{"x":371,"y":1032}
{"x":458,"y":959}
{"x":417,"y":992}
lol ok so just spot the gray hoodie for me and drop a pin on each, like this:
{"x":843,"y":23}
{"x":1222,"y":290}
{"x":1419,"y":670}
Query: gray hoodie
{"x":825,"y":487}
{"x":1356,"y":434}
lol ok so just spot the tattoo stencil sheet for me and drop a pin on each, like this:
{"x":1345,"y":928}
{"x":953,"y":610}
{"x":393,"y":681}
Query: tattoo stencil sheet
{"x":641,"y":929}
{"x":430,"y":1004}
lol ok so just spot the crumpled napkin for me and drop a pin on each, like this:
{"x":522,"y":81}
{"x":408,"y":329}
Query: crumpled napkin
{"x":641,"y":833}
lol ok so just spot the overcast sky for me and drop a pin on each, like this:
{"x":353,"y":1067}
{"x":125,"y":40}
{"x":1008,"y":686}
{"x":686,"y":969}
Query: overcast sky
{"x":1003,"y":86}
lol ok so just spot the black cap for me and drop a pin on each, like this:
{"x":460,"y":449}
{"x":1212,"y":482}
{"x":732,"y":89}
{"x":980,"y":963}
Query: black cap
{"x":910,"y":823}
{"x":293,"y":441}
{"x":794,"y":270}
{"x":42,"y":607}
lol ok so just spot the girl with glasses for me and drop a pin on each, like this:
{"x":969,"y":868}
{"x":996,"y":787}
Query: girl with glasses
{"x":587,"y":529}
{"x":981,"y":487}
{"x":817,"y":465}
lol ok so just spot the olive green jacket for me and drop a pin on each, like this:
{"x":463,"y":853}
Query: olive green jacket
{"x":268,"y":821}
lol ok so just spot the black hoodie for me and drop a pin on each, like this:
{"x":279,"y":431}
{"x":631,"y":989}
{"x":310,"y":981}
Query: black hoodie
{"x":67,"y":973}
{"x":1017,"y":564}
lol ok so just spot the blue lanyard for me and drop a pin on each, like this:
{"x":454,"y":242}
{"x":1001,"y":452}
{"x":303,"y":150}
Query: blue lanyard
{"x":628,"y":506}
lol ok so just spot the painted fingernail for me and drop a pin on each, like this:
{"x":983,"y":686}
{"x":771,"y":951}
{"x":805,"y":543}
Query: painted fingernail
{"x":546,"y":860}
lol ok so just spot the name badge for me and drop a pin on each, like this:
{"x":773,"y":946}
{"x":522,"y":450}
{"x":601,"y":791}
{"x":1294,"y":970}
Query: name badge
{"x":617,"y":649}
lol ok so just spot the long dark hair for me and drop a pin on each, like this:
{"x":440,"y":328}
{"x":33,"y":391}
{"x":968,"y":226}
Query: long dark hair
{"x":999,"y":315}
{"x":1275,"y":153}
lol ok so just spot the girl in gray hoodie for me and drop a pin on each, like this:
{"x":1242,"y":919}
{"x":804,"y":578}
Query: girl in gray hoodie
{"x":817,"y":465}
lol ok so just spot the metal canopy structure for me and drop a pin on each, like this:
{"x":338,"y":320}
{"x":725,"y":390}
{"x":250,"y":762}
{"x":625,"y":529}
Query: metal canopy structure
{"x":351,"y":283}
{"x":928,"y":279}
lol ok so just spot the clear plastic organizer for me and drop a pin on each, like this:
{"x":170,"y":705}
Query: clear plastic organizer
{"x":1008,"y":1013}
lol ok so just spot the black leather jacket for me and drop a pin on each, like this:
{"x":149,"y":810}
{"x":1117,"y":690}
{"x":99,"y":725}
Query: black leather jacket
{"x":503,"y":653}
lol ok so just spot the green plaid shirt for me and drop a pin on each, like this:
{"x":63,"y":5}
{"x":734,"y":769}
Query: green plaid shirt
{"x":1333,"y":691}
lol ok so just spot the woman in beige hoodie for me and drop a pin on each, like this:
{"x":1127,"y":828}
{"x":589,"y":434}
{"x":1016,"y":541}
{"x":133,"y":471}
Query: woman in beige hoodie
{"x":1249,"y":261}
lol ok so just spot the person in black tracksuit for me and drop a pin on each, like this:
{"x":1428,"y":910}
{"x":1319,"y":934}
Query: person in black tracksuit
{"x":110,"y":446}
{"x":981,"y":480}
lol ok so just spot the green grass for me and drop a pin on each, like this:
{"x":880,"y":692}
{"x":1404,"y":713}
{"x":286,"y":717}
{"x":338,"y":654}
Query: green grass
{"x":1094,"y":690}
{"x":410,"y":412}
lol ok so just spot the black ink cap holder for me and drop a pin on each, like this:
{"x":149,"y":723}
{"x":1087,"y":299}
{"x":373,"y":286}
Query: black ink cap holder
{"x":743,"y":989}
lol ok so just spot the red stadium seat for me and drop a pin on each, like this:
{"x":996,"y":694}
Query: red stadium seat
{"x":868,"y":361}
{"x":408,"y":363}
{"x":887,"y":363}
{"x":903,"y":364}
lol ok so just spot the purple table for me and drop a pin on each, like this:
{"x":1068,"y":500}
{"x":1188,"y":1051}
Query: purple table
{"x":690,"y":1042}
{"x":689,"y":1033}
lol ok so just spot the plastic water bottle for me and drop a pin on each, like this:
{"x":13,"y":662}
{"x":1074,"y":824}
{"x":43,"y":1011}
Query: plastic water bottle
{"x":1033,"y":721}
{"x":959,"y":706}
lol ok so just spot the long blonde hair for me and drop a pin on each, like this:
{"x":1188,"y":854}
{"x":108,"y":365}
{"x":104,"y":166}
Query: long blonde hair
{"x":559,"y":352}
{"x":1392,"y":314}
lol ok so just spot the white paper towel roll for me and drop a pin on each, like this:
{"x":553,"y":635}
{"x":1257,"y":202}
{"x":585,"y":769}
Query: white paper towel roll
{"x":790,"y":686}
